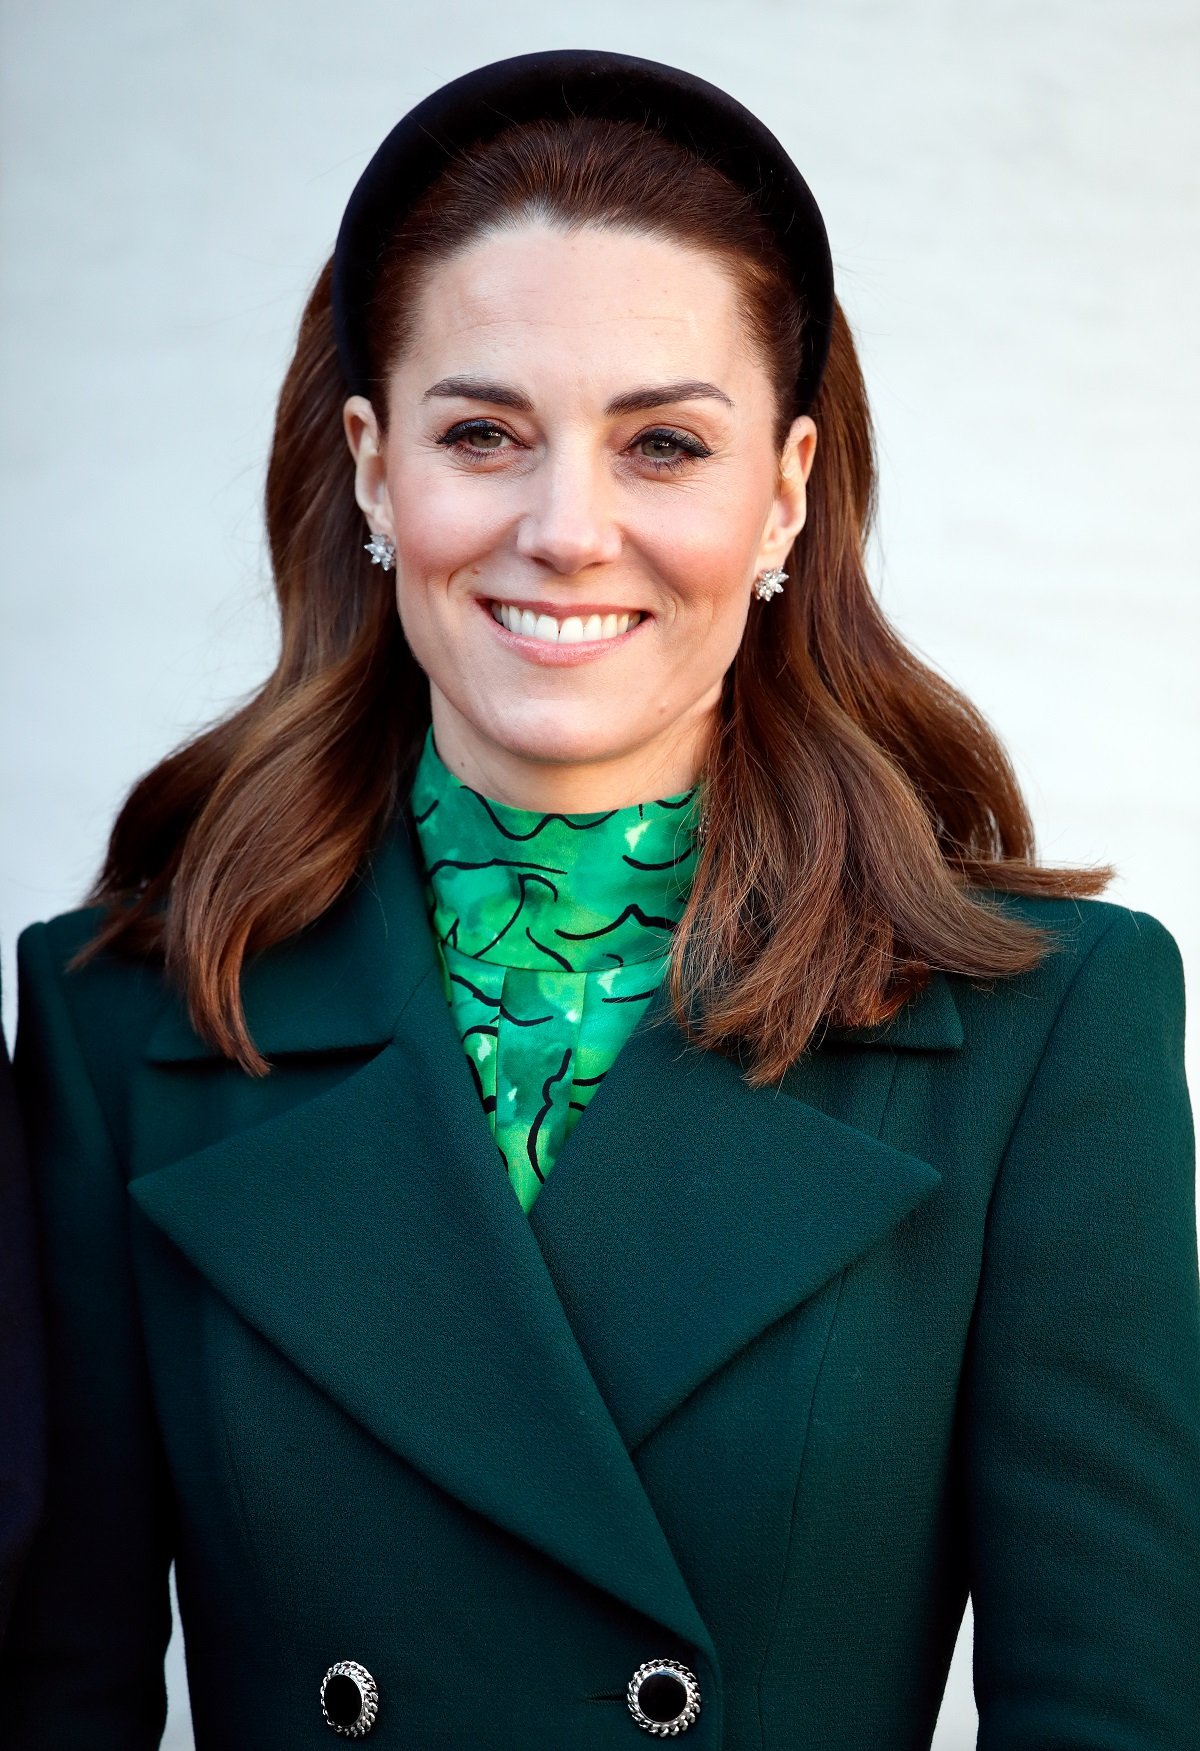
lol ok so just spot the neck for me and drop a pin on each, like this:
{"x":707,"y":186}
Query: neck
{"x":551,"y":784}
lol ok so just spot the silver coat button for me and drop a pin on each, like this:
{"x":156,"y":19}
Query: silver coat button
{"x":664,"y":1697}
{"x":349,"y":1699}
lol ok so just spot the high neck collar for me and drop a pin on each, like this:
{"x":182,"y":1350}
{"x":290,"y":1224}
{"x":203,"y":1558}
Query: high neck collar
{"x":580,"y":892}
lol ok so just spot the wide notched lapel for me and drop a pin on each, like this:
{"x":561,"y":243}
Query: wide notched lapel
{"x":689,"y":1211}
{"x":372,"y":1236}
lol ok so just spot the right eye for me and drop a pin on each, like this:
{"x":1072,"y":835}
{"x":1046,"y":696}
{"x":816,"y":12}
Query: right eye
{"x":474,"y":438}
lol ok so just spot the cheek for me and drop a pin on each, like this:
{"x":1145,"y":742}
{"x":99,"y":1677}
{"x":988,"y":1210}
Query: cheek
{"x":705,"y":550}
{"x":443,"y":521}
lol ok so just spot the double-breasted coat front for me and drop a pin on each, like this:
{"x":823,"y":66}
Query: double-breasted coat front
{"x":763,"y":1382}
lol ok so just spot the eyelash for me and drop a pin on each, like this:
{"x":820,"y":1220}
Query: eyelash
{"x":694,"y":450}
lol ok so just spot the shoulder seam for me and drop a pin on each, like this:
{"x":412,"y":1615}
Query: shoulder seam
{"x":60,"y":992}
{"x":1112,"y":924}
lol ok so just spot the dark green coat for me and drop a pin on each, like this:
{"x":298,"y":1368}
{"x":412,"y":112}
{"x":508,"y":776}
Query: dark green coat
{"x":763,"y":1382}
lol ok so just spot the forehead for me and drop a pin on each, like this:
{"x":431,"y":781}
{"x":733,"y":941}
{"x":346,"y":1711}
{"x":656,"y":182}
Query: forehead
{"x":592,"y":302}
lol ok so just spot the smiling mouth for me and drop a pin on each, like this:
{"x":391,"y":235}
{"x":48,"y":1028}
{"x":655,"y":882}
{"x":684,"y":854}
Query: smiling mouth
{"x":570,"y":629}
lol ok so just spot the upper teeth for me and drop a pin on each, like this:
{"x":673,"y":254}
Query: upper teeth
{"x":569,"y":631}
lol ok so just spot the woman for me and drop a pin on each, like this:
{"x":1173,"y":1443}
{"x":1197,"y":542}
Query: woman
{"x":587,"y":1182}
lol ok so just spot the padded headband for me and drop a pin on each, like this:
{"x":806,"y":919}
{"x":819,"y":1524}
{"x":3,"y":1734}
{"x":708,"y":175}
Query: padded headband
{"x":556,"y":85}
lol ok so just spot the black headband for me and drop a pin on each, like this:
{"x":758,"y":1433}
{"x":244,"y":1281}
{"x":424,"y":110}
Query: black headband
{"x":555,"y":85}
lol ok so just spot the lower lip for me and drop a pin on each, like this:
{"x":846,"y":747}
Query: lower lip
{"x":559,"y":656}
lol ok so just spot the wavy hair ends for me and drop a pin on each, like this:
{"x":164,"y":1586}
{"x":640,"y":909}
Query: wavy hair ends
{"x":855,"y":798}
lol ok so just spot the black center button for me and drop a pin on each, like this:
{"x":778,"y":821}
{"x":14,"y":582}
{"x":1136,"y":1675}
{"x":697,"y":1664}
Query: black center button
{"x":664,"y":1697}
{"x":349,"y":1699}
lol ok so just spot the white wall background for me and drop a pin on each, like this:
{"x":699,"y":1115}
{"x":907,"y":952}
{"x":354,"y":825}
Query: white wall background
{"x":1011,"y":196}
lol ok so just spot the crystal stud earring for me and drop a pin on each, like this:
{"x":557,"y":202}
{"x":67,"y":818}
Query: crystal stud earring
{"x":382,"y":550}
{"x":769,"y":583}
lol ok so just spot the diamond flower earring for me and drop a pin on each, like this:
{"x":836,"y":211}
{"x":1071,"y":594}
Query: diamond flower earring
{"x":382,"y":550}
{"x":769,"y":583}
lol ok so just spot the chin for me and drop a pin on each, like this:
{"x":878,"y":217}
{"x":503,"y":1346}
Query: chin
{"x":561,"y":743}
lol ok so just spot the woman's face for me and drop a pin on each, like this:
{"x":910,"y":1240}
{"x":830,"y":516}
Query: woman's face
{"x":580,"y":479}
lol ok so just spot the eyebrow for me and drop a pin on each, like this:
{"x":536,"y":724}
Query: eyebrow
{"x":632,"y":401}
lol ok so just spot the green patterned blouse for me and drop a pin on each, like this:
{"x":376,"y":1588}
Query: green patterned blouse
{"x":553,"y":933}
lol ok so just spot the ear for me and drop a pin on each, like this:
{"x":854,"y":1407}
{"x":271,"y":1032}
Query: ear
{"x":789,"y":508}
{"x":370,"y":467}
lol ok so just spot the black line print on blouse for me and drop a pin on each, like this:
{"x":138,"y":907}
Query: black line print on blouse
{"x":524,"y":883}
{"x":671,"y":862}
{"x":545,"y":869}
{"x":499,"y":1006}
{"x":547,"y":1103}
{"x":633,"y":910}
{"x":552,"y":953}
{"x":545,"y":820}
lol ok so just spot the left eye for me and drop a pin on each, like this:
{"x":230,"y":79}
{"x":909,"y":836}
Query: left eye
{"x":660,"y":446}
{"x":671,"y":448}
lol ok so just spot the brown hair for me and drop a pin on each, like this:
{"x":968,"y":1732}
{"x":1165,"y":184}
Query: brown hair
{"x":854,"y":797}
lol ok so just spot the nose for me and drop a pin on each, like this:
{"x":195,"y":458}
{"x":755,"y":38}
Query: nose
{"x":568,"y":523}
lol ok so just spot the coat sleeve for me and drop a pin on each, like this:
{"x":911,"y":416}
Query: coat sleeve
{"x":81,"y":1668}
{"x":1082,"y":1391}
